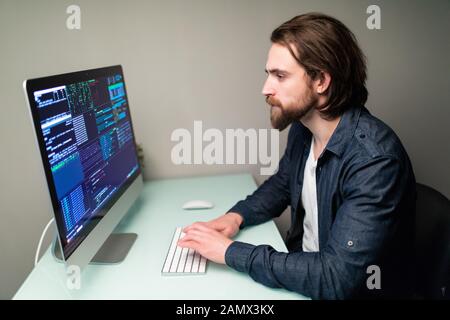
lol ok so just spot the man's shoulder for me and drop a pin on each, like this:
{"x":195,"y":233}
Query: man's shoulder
{"x":376,"y":138}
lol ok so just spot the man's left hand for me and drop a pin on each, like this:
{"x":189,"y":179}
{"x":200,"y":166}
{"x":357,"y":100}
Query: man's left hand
{"x":210,"y":243}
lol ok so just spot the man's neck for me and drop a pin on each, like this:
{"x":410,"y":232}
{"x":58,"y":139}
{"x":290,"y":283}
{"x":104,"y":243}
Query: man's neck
{"x":321,"y":129}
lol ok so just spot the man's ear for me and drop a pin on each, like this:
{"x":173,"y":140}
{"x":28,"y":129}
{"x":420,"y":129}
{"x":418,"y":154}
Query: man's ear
{"x":323,"y":82}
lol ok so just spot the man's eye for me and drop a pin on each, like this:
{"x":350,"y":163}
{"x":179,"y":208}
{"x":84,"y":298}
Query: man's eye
{"x":280,"y":76}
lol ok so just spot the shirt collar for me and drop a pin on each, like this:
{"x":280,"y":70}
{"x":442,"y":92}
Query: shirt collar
{"x":344,"y":131}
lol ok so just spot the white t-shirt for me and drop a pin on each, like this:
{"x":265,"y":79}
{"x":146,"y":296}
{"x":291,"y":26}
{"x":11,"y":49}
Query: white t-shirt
{"x":309,"y":201}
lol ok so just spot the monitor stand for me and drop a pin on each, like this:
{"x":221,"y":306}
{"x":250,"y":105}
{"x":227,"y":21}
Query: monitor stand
{"x":113,"y":251}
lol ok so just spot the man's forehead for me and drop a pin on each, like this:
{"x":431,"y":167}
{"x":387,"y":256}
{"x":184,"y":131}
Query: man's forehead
{"x":280,"y":58}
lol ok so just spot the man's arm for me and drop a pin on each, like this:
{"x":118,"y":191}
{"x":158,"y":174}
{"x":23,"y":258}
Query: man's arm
{"x":363,"y":226}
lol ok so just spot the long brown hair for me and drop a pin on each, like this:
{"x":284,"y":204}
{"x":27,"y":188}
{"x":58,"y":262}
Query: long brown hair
{"x":321,"y":43}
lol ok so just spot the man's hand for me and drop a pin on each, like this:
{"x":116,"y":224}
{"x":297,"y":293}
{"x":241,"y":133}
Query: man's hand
{"x":208,"y":242}
{"x":227,"y":224}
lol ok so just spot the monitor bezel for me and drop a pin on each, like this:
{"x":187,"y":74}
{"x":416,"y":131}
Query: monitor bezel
{"x":42,"y":83}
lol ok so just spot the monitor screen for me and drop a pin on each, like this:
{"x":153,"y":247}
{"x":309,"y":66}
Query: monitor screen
{"x":87,"y":145}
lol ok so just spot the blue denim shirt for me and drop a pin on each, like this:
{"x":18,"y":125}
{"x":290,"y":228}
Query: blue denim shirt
{"x":366,"y":210}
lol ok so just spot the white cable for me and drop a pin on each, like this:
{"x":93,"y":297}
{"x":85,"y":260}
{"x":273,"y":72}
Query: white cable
{"x":36,"y":258}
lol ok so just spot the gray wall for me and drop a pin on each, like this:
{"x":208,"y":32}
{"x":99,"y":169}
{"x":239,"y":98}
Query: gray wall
{"x":203,"y":60}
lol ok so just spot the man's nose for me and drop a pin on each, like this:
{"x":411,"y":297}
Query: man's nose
{"x":268,"y":89}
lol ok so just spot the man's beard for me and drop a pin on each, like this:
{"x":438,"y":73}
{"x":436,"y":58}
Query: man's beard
{"x":281,"y":117}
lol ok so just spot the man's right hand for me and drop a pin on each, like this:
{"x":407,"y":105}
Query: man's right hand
{"x":228,"y":224}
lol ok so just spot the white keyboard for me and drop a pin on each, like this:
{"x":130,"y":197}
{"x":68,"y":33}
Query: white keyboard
{"x":182,"y":261}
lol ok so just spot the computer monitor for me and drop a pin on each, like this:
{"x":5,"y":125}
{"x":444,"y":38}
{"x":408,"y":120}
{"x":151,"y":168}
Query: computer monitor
{"x":85,"y":136}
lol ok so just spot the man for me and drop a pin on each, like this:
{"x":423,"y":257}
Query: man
{"x":344,"y":173}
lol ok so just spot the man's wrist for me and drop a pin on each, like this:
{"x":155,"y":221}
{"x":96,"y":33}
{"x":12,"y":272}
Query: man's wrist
{"x":237,"y":218}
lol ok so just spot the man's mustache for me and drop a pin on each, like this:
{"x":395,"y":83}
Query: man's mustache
{"x":273,"y":101}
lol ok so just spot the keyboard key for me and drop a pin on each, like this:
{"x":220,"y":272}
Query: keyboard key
{"x":183,"y":258}
{"x":171,"y":252}
{"x":189,"y":260}
{"x":196,"y":262}
{"x":202,"y":267}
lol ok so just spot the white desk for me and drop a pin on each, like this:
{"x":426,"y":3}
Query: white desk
{"x":154,"y":218}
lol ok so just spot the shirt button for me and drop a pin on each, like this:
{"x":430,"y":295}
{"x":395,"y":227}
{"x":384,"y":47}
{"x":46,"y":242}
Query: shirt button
{"x":362,"y":136}
{"x":350,"y":243}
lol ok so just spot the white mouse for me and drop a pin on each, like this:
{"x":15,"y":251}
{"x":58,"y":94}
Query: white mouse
{"x":197,"y":204}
